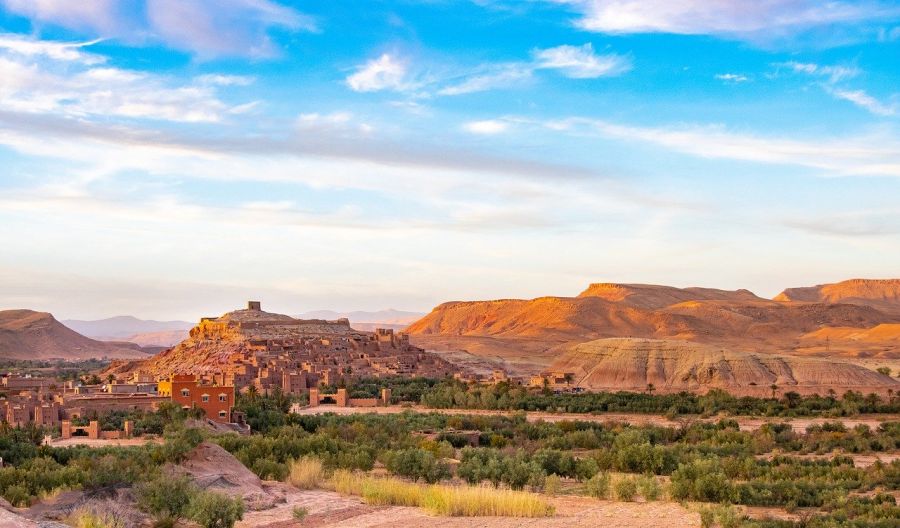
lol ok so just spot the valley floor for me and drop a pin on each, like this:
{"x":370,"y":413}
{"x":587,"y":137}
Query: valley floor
{"x":327,"y":509}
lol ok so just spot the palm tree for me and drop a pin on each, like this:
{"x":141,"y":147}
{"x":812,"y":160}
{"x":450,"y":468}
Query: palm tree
{"x":774,"y":390}
{"x":252,"y":392}
{"x":650,"y":389}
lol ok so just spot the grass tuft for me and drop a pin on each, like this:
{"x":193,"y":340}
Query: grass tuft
{"x":305,"y":473}
{"x":442,"y":500}
{"x":88,"y":518}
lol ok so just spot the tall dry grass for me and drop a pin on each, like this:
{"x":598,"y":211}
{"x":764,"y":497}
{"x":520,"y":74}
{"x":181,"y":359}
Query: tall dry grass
{"x":305,"y":473}
{"x":468,"y":501}
{"x":90,"y":518}
{"x":440,"y":499}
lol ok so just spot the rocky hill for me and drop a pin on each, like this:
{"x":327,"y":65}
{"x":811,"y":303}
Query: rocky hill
{"x":882,"y":294}
{"x":25,"y":334}
{"x":531,"y":334}
{"x":673,"y":366}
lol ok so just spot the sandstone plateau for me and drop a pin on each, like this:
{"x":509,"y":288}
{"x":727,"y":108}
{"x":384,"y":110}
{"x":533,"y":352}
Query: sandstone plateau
{"x":842,"y":322}
{"x":25,"y":334}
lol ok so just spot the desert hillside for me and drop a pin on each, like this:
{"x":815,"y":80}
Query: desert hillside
{"x":25,"y":334}
{"x":851,"y":323}
{"x":673,"y":366}
{"x":882,"y":294}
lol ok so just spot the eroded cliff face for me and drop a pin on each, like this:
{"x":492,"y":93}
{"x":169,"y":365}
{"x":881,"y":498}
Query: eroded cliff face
{"x":882,"y":294}
{"x":673,"y":366}
{"x":533,"y":332}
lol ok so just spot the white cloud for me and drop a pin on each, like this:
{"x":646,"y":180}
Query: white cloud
{"x":486,"y":127}
{"x":834,"y":73}
{"x":737,"y":18}
{"x":580,"y":62}
{"x":864,"y":100}
{"x":497,"y":76}
{"x":54,"y":77}
{"x":875,"y":155}
{"x":60,"y":51}
{"x":384,"y":73}
{"x":226,"y":80}
{"x":204,"y":27}
{"x":732,"y":77}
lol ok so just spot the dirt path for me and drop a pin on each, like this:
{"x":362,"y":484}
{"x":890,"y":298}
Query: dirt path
{"x":745,"y":423}
{"x":327,"y":509}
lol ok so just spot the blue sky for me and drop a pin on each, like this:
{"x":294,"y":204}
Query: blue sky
{"x":171,"y":159}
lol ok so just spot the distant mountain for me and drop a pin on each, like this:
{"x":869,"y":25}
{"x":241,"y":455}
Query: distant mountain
{"x":124,"y":327}
{"x":389,"y":318}
{"x":26,"y":334}
{"x":851,"y":319}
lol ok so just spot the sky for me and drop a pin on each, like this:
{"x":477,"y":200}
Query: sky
{"x":171,"y":159}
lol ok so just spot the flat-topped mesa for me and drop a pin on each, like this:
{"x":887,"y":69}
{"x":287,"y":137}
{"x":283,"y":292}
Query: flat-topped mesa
{"x":657,"y":296}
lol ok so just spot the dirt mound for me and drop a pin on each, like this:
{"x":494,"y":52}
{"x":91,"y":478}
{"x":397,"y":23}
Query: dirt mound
{"x":212,"y":467}
{"x":882,"y":294}
{"x":673,"y":366}
{"x":25,"y":334}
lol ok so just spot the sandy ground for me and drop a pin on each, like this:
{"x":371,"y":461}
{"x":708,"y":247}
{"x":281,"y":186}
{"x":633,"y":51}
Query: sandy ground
{"x":327,"y":509}
{"x":100,"y":442}
{"x":745,"y":423}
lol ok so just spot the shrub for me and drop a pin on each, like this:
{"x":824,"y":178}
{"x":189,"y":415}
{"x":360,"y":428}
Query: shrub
{"x":215,"y":510}
{"x":165,"y":498}
{"x":18,"y":495}
{"x":625,"y":488}
{"x":649,"y":487}
{"x":552,"y":484}
{"x":598,"y":485}
{"x":299,"y":513}
{"x":305,"y":473}
{"x":85,"y":517}
{"x":416,"y":464}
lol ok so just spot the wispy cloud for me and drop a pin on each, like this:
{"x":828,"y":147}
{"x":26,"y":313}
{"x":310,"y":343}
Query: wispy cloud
{"x":732,"y":77}
{"x":207,"y":28}
{"x":862,"y":99}
{"x":388,"y":72}
{"x":833,"y":73}
{"x":730,"y":18}
{"x":580,"y":62}
{"x":873,"y":155}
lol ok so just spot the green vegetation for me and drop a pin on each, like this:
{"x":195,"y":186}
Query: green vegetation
{"x":215,"y":510}
{"x":451,"y":394}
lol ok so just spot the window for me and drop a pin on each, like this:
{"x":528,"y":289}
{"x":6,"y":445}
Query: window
{"x":223,"y":397}
{"x":185,"y":393}
{"x":205,"y":397}
{"x":221,"y":414}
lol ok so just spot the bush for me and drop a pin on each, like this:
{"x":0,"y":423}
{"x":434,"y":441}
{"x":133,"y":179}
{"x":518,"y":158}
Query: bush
{"x":625,"y":489}
{"x":649,"y":487}
{"x":552,"y":484}
{"x":305,"y":473}
{"x":215,"y":510}
{"x":85,"y":517}
{"x":598,"y":485}
{"x":416,"y":464}
{"x":299,"y":513}
{"x":165,"y":498}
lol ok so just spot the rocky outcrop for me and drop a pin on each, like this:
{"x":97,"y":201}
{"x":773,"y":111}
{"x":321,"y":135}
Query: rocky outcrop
{"x":882,"y":294}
